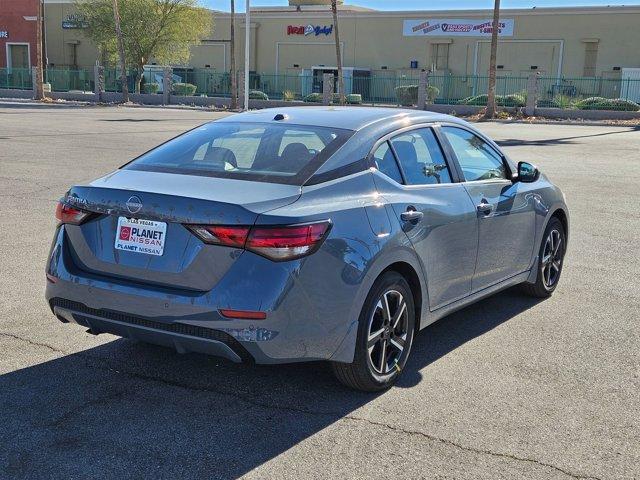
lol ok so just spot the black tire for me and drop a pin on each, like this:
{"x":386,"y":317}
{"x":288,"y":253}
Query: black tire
{"x":549,"y":268}
{"x":362,"y":374}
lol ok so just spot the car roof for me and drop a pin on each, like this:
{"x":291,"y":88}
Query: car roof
{"x":349,"y":118}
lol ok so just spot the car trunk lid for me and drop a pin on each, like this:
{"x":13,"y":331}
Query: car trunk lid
{"x":167,"y":202}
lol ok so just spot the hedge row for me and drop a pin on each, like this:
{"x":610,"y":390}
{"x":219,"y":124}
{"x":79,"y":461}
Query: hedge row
{"x":351,"y":99}
{"x":512,"y":100}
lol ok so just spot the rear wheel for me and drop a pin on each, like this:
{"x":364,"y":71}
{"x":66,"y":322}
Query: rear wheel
{"x":550,"y":261}
{"x":385,"y":336}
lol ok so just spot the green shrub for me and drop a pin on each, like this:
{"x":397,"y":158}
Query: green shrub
{"x":288,"y":96}
{"x":184,"y":89}
{"x":511,"y":100}
{"x":354,"y":99}
{"x":313,"y":98}
{"x":478,"y":100}
{"x":432,"y":93}
{"x":601,"y":103}
{"x":407,"y":95}
{"x":151,"y":87}
{"x":257,"y":95}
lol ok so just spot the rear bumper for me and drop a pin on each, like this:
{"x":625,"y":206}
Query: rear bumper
{"x":183,"y":338}
{"x":309,"y":305}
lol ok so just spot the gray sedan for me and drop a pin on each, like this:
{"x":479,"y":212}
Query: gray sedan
{"x":301,"y":234}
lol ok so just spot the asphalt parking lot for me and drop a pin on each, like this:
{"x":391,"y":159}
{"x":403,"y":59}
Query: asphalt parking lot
{"x":508,"y":388}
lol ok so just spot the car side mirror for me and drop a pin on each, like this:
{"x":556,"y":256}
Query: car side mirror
{"x":527,"y":173}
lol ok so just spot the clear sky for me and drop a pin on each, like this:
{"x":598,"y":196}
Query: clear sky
{"x":432,"y":4}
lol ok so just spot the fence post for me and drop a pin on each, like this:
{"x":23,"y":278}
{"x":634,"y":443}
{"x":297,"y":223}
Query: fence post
{"x":167,"y":85}
{"x":241,"y":90}
{"x":532,"y":95}
{"x":327,"y":88}
{"x":98,"y":82}
{"x":422,"y":90}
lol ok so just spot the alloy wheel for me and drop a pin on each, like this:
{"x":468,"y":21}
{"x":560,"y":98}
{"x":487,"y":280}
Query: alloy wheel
{"x":387,"y":332}
{"x":552,"y":259}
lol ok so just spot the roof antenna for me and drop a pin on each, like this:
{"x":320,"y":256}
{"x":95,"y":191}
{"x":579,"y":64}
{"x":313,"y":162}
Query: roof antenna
{"x":280,"y":116}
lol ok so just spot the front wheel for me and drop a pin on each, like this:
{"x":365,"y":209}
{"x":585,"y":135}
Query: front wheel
{"x":550,"y":261}
{"x":385,"y":336}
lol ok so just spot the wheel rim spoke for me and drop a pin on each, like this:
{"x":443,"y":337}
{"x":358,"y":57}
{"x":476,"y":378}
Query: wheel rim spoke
{"x":399,"y":313}
{"x":398,"y":342}
{"x":383,"y":357}
{"x":374,"y":338}
{"x":387,"y":311}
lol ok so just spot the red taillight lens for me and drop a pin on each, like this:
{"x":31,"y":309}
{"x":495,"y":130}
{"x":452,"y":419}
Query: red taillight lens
{"x":287,"y":243}
{"x":221,"y":235}
{"x":67,"y":214}
{"x":277,"y":243}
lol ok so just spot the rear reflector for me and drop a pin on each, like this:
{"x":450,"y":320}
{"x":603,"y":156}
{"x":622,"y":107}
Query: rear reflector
{"x":73,"y":216}
{"x":243,"y":314}
{"x":278,"y":243}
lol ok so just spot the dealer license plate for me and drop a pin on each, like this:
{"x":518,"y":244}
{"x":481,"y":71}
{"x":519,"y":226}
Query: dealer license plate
{"x":141,"y":236}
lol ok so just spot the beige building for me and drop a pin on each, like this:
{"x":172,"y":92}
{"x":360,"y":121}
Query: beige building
{"x":568,"y":42}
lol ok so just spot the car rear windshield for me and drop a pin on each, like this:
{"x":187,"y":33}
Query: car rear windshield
{"x":278,"y":153}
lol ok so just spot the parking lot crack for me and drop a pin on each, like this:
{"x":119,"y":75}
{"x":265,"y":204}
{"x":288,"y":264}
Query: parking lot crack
{"x":466,"y":448}
{"x":32,"y":342}
{"x":339,"y":416}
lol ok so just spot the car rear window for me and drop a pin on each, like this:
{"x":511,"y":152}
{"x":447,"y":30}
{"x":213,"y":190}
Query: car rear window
{"x":278,"y":153}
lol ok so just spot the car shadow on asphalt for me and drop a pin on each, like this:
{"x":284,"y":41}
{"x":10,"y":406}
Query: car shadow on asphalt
{"x":552,"y":142}
{"x":134,"y":410}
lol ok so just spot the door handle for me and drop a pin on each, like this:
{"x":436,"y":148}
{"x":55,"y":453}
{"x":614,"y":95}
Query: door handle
{"x":411,"y":215}
{"x":485,"y":207}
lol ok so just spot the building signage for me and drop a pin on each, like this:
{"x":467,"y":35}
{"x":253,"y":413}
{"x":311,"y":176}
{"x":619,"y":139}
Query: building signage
{"x":4,"y":34}
{"x":456,"y":27}
{"x":74,"y":21}
{"x":316,"y":30}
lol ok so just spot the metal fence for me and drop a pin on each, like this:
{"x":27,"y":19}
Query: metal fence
{"x":16,"y":78}
{"x":387,"y":88}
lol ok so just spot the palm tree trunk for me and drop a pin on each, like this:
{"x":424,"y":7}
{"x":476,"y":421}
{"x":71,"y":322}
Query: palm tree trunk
{"x":123,"y":62}
{"x":491,"y":100}
{"x":234,"y":78}
{"x":39,"y":67}
{"x":334,"y":10}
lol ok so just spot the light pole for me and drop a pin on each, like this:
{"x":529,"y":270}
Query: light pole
{"x":247,"y":50}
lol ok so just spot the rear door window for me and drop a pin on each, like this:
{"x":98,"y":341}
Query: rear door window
{"x":421,"y":157}
{"x":386,"y":162}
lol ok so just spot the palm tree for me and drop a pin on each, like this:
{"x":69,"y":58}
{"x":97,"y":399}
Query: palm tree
{"x":123,"y":61}
{"x":491,"y":100}
{"x":334,"y":10}
{"x":39,"y":67}
{"x":234,"y":78}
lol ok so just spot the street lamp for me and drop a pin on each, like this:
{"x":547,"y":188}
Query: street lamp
{"x":247,"y":38}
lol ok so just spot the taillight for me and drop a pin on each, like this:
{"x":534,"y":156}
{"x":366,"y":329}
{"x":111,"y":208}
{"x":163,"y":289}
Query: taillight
{"x":71,"y":215}
{"x":278,"y":243}
{"x":287,"y":243}
{"x":221,"y":235}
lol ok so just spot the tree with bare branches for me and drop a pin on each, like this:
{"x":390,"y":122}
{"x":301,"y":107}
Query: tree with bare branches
{"x":491,"y":100}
